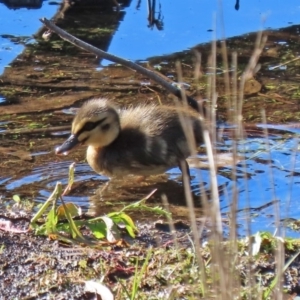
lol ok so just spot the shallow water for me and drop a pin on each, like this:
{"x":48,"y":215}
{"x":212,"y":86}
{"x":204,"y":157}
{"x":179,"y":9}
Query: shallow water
{"x":267,"y":181}
{"x":267,"y":174}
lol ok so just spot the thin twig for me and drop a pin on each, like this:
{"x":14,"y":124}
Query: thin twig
{"x":35,"y":130}
{"x":285,"y":63}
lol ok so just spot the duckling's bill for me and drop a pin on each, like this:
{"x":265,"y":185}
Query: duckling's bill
{"x":68,"y":145}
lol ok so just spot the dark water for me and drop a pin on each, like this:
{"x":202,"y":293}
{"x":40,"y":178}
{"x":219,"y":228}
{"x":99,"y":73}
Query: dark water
{"x":268,"y":173}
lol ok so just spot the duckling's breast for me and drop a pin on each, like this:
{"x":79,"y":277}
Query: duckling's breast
{"x":93,"y":157}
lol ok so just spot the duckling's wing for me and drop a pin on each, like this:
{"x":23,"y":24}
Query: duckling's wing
{"x":151,"y":141}
{"x":133,"y":152}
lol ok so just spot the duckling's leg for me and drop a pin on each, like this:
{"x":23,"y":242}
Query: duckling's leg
{"x":103,"y":189}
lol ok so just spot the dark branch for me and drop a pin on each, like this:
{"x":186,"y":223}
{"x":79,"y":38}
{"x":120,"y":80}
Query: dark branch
{"x":152,"y":75}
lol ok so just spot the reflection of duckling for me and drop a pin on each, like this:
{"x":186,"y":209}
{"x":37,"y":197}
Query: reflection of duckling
{"x":144,"y":140}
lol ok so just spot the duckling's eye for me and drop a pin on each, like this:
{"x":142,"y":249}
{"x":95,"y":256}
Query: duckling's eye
{"x":105,"y":127}
{"x":88,"y":126}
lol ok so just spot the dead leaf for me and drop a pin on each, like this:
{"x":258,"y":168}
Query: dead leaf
{"x":99,"y":289}
{"x":112,"y":233}
{"x":251,"y":87}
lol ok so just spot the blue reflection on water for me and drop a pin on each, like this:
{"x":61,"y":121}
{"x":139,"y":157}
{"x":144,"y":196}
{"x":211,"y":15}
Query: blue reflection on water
{"x":188,"y":23}
{"x":271,"y":173}
{"x":21,"y":22}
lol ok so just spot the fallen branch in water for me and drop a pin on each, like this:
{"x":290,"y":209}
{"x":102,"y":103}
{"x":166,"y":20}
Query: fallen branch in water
{"x":172,"y":88}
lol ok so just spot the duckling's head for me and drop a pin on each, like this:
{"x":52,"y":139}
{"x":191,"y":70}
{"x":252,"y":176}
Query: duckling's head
{"x":96,"y":124}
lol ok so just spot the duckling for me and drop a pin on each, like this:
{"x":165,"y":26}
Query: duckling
{"x":143,"y":140}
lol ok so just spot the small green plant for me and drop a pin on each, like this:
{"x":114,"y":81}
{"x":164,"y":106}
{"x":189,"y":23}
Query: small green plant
{"x":60,"y":218}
